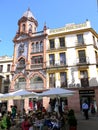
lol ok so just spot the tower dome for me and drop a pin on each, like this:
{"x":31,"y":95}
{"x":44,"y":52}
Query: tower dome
{"x":28,"y":14}
{"x":27,"y":23}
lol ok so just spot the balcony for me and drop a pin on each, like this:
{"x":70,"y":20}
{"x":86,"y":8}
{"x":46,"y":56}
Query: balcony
{"x":37,"y":86}
{"x":20,"y":85}
{"x":36,"y":66}
{"x":82,"y":61}
{"x":37,"y":51}
{"x":20,"y":66}
{"x":56,"y":64}
{"x":80,"y":45}
{"x":56,"y":48}
{"x":84,"y":82}
{"x":33,"y":86}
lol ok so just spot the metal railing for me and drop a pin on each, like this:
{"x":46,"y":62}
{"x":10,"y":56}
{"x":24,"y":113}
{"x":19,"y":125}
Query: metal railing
{"x":35,"y":86}
{"x":82,"y":60}
{"x":56,"y":63}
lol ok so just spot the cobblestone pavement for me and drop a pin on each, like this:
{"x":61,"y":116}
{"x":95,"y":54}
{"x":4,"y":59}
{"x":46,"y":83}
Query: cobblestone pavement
{"x":91,"y":124}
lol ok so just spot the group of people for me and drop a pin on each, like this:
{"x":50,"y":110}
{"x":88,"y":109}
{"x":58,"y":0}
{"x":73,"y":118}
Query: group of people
{"x":7,"y":117}
{"x":33,"y":120}
{"x":57,"y":105}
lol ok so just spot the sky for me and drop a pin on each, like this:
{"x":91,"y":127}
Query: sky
{"x":55,"y":13}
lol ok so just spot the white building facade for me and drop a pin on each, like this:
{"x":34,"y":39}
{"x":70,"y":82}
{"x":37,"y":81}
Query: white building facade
{"x":5,"y":73}
{"x":72,"y":62}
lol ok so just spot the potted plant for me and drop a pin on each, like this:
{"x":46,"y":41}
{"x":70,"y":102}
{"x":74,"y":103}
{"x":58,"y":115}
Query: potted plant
{"x":72,"y":121}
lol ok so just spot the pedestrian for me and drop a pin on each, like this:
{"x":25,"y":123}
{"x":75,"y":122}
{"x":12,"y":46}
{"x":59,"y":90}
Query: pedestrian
{"x":3,"y":109}
{"x":26,"y":123}
{"x":85,"y":109}
{"x":13,"y":111}
{"x":92,"y":109}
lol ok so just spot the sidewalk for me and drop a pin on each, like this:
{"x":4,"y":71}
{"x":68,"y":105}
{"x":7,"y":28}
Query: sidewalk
{"x":91,"y":124}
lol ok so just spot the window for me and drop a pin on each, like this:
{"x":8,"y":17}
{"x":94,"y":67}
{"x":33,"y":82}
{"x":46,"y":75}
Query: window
{"x":21,"y":64}
{"x":37,"y":47}
{"x":63,"y":79}
{"x":62,"y":58}
{"x":22,"y":61}
{"x":51,"y":59}
{"x":23,"y":27}
{"x":36,"y":82}
{"x":62,"y":42}
{"x":51,"y":43}
{"x":37,"y":59}
{"x":33,"y":48}
{"x":7,"y":77}
{"x":80,"y":39}
{"x":1,"y":68}
{"x":94,"y":41}
{"x":82,"y":56}
{"x":30,"y":28}
{"x":8,"y":67}
{"x":41,"y":46}
{"x":51,"y":80}
{"x":20,"y":83}
{"x":84,"y":78}
{"x":96,"y":56}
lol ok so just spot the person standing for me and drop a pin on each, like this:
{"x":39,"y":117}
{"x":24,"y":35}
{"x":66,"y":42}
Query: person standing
{"x":3,"y":109}
{"x":85,"y":109}
{"x":13,"y":111}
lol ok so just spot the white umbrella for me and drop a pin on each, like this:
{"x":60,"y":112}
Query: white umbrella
{"x":19,"y":94}
{"x":1,"y":94}
{"x":57,"y":92}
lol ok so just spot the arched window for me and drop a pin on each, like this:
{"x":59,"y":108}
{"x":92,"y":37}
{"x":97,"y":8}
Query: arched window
{"x":23,"y":27}
{"x":21,"y":63}
{"x":37,"y":47}
{"x":41,"y":45}
{"x":30,"y":28}
{"x":20,"y":83}
{"x":36,"y":82}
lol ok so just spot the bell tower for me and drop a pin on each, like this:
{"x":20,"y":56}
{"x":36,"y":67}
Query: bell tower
{"x":27,"y":23}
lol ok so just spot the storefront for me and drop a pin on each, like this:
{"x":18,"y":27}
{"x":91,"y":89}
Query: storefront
{"x":89,"y":96}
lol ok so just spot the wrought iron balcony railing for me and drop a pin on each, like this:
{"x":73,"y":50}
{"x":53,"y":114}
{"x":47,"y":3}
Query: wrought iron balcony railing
{"x":53,"y":63}
{"x":82,"y":60}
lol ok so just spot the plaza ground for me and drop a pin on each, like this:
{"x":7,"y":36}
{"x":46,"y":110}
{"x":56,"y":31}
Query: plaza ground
{"x":91,"y":124}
